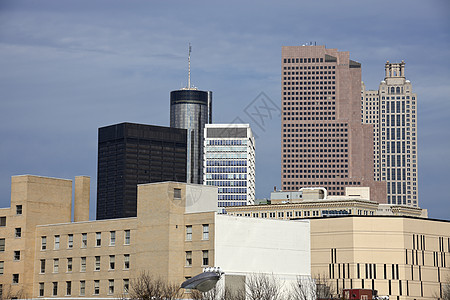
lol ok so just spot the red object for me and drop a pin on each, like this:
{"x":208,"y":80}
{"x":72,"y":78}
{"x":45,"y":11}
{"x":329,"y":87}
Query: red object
{"x":357,"y":294}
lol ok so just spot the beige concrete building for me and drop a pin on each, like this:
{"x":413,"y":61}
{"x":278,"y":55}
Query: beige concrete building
{"x":389,"y":249}
{"x":45,"y":254}
{"x":392,"y":110}
{"x":400,"y":257}
{"x":315,"y":202}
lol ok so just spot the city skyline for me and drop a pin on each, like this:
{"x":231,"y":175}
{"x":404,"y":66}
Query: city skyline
{"x":70,"y":68}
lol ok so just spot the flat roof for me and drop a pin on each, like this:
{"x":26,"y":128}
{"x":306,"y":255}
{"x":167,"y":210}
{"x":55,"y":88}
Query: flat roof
{"x":373,"y":216}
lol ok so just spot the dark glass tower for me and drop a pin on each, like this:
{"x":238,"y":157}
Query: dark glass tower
{"x":130,"y":154}
{"x":191,"y":109}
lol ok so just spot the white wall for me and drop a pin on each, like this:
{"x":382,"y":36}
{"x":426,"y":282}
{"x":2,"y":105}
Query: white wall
{"x":201,"y":198}
{"x":253,"y":245}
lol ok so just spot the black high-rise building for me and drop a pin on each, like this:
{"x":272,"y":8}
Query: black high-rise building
{"x":131,"y":154}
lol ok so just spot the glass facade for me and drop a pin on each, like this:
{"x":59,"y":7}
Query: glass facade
{"x":191,"y":109}
{"x":229,"y":163}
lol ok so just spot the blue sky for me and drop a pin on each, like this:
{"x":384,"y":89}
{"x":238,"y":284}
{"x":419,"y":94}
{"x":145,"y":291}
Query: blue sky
{"x":69,"y":67}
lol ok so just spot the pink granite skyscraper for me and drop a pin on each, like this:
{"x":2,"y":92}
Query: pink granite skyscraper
{"x":324,"y":142}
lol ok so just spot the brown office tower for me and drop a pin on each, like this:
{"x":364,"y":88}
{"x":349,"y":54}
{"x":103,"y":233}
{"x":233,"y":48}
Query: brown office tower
{"x":323,"y":141}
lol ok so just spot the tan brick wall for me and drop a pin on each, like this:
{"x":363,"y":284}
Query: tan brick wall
{"x":157,"y":238}
{"x":44,"y":200}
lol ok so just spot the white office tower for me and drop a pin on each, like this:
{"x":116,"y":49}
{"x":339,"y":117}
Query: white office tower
{"x":229,"y":163}
{"x":393,"y":111}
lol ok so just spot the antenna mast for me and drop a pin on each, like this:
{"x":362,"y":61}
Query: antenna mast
{"x":189,"y":69}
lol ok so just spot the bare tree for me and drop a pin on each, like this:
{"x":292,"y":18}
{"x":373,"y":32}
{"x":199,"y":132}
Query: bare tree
{"x":7,"y":293}
{"x":443,"y":294}
{"x":233,"y":294}
{"x":219,"y":293}
{"x":263,"y":287}
{"x":304,"y":288}
{"x":147,"y":287}
{"x":257,"y":287}
{"x":446,"y":291}
{"x":213,"y":294}
{"x":307,"y":288}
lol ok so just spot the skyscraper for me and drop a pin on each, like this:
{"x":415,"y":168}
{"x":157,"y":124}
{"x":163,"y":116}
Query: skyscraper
{"x":229,"y":163}
{"x":323,"y":140}
{"x":392,"y":111}
{"x":191,"y":109}
{"x":130,"y":154}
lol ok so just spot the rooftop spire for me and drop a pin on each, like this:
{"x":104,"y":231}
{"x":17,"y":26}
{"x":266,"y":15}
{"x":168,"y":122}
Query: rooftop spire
{"x":189,"y":86}
{"x":189,"y":67}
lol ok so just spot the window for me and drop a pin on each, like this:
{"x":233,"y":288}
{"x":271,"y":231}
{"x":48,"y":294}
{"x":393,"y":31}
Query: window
{"x":18,"y":233}
{"x":70,"y":241}
{"x":82,"y":288}
{"x":2,"y":267}
{"x":42,"y":266}
{"x":177,"y":193}
{"x":188,"y":258}
{"x":55,"y":289}
{"x":112,"y":262}
{"x":205,"y":232}
{"x":68,"y":288}
{"x":126,"y":286}
{"x":97,"y":263}
{"x":83,"y":264}
{"x":43,"y":242}
{"x":205,"y":258}
{"x":16,"y":255}
{"x":2,"y":245}
{"x":127,"y":237}
{"x":189,"y":233}
{"x":69,"y":264}
{"x":41,"y":289}
{"x":55,"y":265}
{"x":15,"y":279}
{"x":111,"y":286}
{"x":96,"y":287}
{"x":56,"y":242}
{"x":112,"y":240}
{"x":126,"y":261}
{"x":83,"y":240}
{"x":18,"y":209}
{"x":2,"y":221}
{"x":98,"y":239}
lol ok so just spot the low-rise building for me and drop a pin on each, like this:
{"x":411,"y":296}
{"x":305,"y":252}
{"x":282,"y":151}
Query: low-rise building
{"x":361,"y":244}
{"x":45,"y":251}
{"x":315,"y":202}
{"x":399,"y":256}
